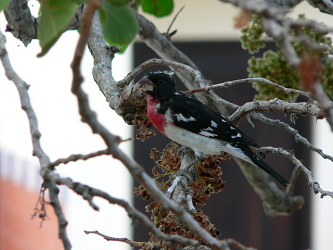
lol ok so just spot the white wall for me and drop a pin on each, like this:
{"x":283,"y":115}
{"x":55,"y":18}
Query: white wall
{"x":63,"y":134}
{"x":322,"y":216}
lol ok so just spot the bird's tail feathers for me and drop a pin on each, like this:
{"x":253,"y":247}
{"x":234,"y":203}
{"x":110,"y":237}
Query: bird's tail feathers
{"x":263,"y":165}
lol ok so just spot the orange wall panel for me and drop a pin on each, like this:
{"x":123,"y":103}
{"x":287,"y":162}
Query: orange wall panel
{"x":17,"y":230}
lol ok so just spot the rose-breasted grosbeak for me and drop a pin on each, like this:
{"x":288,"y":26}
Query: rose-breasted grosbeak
{"x":184,"y":119}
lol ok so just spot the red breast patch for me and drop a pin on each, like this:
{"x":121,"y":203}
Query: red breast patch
{"x":157,"y":119}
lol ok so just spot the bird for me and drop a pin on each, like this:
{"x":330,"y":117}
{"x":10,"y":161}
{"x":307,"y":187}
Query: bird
{"x":184,"y":119}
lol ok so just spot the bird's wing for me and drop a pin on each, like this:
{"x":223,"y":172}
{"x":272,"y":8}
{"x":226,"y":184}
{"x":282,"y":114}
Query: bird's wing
{"x":189,"y":113}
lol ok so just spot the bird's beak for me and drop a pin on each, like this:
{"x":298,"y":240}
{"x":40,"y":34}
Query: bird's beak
{"x":145,"y":84}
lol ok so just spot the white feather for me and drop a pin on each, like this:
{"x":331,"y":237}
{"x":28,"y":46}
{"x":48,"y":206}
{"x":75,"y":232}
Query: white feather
{"x":208,"y":134}
{"x":202,"y":145}
{"x":213,"y":124}
{"x":180,"y":117}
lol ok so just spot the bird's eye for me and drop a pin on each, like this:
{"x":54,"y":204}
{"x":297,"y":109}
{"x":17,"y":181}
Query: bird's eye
{"x":161,"y":81}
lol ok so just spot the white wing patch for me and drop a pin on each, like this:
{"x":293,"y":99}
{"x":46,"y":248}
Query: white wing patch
{"x":213,"y":124}
{"x":235,"y":136}
{"x":207,"y":134}
{"x":208,"y":129}
{"x":180,"y":117}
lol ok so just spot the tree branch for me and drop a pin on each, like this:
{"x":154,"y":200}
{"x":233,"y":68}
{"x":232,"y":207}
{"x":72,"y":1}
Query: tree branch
{"x":228,"y":84}
{"x":24,"y":26}
{"x":314,"y":185}
{"x":76,"y":157}
{"x":293,"y":132}
{"x":302,"y":108}
{"x":322,"y":98}
{"x":21,"y":23}
{"x":89,"y":193}
{"x":125,"y":240}
{"x":43,"y":158}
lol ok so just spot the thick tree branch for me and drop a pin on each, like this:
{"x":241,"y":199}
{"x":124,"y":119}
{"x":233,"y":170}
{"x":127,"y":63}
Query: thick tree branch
{"x":302,"y":108}
{"x":21,"y":23}
{"x":275,"y":201}
{"x":195,"y":73}
{"x":24,"y":26}
{"x":166,"y":50}
{"x":325,"y":6}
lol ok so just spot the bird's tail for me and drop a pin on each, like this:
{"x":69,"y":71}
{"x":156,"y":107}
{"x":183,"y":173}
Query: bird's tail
{"x":263,"y":165}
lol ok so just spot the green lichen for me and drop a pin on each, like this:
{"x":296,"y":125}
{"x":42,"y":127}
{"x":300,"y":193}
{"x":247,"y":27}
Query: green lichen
{"x":252,"y":35}
{"x":274,"y":66}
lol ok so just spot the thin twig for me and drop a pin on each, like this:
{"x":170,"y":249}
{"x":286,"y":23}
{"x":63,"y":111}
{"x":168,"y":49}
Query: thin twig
{"x":76,"y":157}
{"x":293,"y":132}
{"x":308,"y":174}
{"x":228,"y":84}
{"x":125,"y":240}
{"x":174,"y":19}
{"x":196,"y":74}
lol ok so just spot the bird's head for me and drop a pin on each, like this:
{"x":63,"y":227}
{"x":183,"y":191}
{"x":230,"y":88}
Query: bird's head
{"x":158,"y":84}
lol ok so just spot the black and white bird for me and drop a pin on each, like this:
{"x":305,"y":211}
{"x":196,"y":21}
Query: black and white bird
{"x":184,"y":119}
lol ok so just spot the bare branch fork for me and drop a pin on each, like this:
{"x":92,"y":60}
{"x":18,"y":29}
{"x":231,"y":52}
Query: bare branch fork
{"x":313,"y":184}
{"x":293,"y":132}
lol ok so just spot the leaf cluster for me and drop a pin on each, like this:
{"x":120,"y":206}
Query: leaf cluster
{"x":251,"y":38}
{"x":118,"y":19}
{"x":274,"y":66}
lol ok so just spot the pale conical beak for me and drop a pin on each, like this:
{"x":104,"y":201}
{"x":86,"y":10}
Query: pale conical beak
{"x":145,"y":84}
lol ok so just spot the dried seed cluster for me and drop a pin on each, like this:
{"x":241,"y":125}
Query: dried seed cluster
{"x":209,"y":181}
{"x":142,"y":122}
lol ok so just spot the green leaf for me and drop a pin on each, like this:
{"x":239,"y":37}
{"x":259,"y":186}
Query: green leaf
{"x":55,"y":18}
{"x":158,"y":8}
{"x":4,"y":4}
{"x":119,"y":24}
{"x":119,"y":2}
